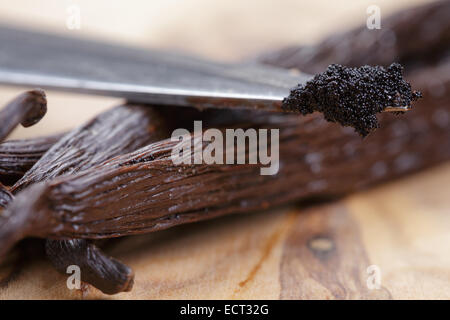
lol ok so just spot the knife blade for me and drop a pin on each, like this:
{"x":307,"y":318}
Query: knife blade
{"x":50,"y":61}
{"x":29,"y":58}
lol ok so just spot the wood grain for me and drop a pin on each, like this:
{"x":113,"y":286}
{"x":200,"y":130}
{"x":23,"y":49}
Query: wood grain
{"x":324,"y":258}
{"x":319,"y":252}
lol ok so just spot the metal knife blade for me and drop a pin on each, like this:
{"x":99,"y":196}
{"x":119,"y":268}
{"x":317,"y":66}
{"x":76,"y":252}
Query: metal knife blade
{"x":54,"y":62}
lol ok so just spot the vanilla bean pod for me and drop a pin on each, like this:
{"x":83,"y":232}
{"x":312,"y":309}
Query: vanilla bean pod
{"x":18,"y":156}
{"x":27,"y":109}
{"x":104,"y":272}
{"x":361,"y":46}
{"x":144,"y":191}
{"x":5,"y":197}
{"x":114,"y":132}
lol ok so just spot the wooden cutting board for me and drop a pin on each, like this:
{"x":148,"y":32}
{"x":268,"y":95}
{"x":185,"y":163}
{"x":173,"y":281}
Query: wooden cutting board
{"x":400,"y":231}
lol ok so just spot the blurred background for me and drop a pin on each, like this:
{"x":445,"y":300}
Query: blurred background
{"x":220,"y":30}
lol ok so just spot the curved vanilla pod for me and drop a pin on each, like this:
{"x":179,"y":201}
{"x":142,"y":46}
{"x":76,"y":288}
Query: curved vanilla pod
{"x":102,"y":271}
{"x":18,"y":156}
{"x":17,"y":219}
{"x":119,"y":130}
{"x":97,"y":268}
{"x":27,"y":109}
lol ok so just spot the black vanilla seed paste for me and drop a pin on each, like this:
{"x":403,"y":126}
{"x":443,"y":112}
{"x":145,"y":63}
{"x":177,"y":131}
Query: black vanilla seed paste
{"x":352,"y":96}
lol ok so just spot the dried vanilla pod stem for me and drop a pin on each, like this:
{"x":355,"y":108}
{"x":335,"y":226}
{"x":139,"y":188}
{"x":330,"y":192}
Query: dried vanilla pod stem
{"x":27,"y":109}
{"x":18,"y":156}
{"x":116,"y":131}
{"x":102,"y":271}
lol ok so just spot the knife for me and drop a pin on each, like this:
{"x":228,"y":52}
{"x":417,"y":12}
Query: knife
{"x":29,"y":58}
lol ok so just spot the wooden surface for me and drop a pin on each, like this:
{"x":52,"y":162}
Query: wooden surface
{"x":320,"y":252}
